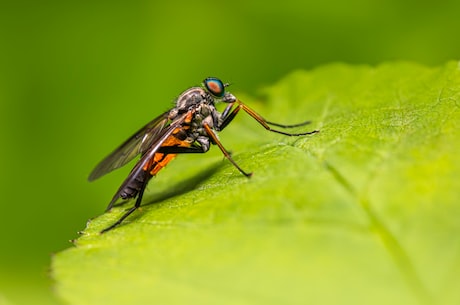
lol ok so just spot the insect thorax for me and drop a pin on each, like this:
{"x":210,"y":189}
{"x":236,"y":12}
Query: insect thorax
{"x":192,"y":97}
{"x":200,"y":105}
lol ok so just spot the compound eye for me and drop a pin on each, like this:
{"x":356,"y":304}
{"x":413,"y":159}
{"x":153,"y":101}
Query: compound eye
{"x":215,"y":86}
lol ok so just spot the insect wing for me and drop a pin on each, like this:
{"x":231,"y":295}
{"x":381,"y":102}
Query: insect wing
{"x":148,"y":155}
{"x":135,"y":145}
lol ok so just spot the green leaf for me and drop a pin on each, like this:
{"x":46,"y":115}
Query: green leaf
{"x":365,"y":212}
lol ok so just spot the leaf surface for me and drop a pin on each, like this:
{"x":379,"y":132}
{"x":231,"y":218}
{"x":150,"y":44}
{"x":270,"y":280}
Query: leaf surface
{"x":365,"y":212}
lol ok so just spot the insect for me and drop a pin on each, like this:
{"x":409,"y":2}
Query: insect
{"x":189,"y":127}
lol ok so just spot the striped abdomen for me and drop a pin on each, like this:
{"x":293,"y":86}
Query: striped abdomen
{"x":151,"y":168}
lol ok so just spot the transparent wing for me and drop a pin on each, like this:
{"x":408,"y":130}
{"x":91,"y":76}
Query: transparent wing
{"x":135,"y":145}
{"x":138,"y":169}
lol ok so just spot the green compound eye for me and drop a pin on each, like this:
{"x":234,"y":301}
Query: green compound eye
{"x":215,"y":86}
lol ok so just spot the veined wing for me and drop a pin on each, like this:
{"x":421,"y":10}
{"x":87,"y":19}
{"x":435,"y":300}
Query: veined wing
{"x":163,"y":135}
{"x":135,"y":145}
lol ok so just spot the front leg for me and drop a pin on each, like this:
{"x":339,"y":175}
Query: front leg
{"x":222,"y":121}
{"x":228,"y":116}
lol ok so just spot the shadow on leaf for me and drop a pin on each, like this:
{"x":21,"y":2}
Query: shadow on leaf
{"x":181,"y":187}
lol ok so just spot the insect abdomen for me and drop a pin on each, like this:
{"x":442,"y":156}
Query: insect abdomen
{"x":134,"y":186}
{"x":151,"y":169}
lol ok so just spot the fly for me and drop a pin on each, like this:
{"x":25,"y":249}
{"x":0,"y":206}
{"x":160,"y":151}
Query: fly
{"x":189,"y":127}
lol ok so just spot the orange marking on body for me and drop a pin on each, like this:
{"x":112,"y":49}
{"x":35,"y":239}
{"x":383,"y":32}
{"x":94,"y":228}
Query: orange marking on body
{"x":164,"y":161}
{"x":160,"y":160}
{"x":189,"y":117}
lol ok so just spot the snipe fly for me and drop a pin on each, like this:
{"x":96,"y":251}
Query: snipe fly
{"x":189,"y":127}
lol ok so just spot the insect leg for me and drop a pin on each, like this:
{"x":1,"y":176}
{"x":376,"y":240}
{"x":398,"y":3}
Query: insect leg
{"x":227,"y":109}
{"x":131,"y":210}
{"x":227,"y":119}
{"x":222,"y":148}
{"x":228,"y":116}
{"x":288,"y":126}
{"x":181,"y":150}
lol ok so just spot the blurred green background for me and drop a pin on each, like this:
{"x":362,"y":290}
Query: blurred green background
{"x":77,"y":78}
